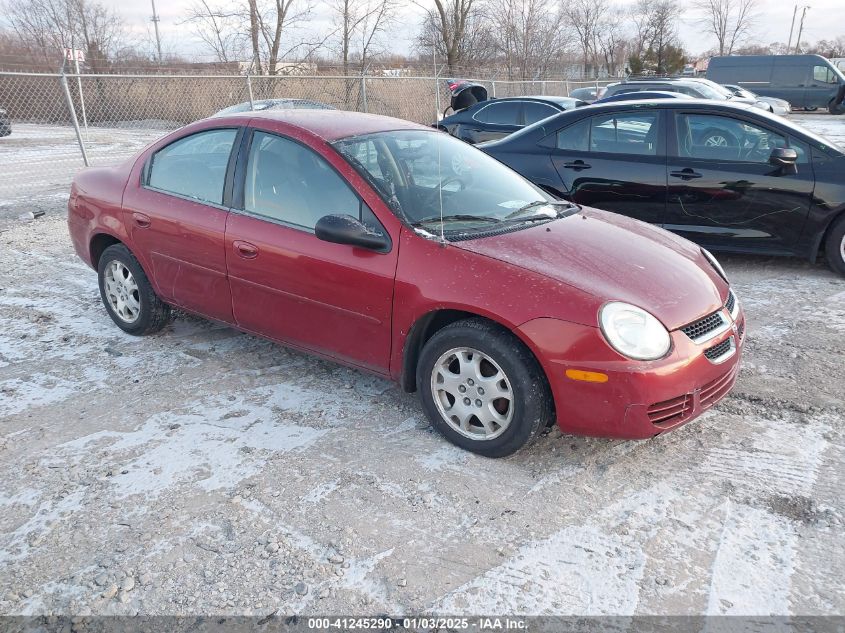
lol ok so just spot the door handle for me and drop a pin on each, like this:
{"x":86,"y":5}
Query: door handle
{"x":685,"y":174}
{"x":245,"y":249}
{"x":577,"y":165}
{"x":141,"y":220}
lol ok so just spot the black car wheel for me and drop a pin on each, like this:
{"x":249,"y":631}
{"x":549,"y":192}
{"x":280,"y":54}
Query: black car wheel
{"x":127,"y":293}
{"x":834,"y":246}
{"x":482,"y":388}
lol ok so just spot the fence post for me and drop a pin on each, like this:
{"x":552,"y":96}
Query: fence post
{"x":543,"y":88}
{"x":364,"y":91}
{"x":73,"y":119}
{"x":249,"y":90}
{"x":493,"y":85}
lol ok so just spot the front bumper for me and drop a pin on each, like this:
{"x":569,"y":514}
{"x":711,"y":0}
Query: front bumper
{"x":639,"y":399}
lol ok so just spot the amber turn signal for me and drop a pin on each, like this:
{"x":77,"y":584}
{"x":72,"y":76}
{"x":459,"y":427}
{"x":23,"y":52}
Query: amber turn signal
{"x":586,"y":376}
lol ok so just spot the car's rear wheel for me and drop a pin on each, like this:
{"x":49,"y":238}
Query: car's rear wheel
{"x":127,"y":293}
{"x":834,"y":246}
{"x":482,"y":388}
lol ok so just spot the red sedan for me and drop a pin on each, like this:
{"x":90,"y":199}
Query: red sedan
{"x":397,"y":249}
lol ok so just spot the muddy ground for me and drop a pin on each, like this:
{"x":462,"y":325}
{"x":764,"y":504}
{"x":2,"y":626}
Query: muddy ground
{"x":202,"y":470}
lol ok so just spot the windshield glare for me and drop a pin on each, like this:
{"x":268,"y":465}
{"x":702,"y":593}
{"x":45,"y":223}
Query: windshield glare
{"x":418,"y":170}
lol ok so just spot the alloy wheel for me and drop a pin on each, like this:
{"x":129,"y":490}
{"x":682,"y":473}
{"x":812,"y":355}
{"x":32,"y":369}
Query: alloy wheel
{"x":715,"y":140}
{"x":472,"y":393}
{"x":122,"y":292}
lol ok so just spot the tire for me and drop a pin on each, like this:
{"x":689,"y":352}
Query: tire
{"x":127,"y":294}
{"x":836,"y":108}
{"x":834,"y":246}
{"x":502,"y":363}
{"x":717,"y":138}
{"x":811,"y":109}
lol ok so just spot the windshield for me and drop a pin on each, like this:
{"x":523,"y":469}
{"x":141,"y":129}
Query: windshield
{"x":425,"y":175}
{"x":712,"y":90}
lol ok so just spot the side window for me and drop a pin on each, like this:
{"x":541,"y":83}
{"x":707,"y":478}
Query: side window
{"x":288,"y":182}
{"x":576,"y":137}
{"x":533,"y":112}
{"x":506,"y":113}
{"x":824,"y":74}
{"x":723,"y":138}
{"x":625,"y":133}
{"x":194,"y":166}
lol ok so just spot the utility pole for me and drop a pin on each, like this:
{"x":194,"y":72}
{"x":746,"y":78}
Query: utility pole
{"x":155,"y":20}
{"x":800,"y":29}
{"x":791,"y":29}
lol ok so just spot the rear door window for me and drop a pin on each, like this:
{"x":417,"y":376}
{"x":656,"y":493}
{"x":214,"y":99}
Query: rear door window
{"x":576,"y":137}
{"x":194,"y":166}
{"x":506,"y":113}
{"x":534,"y":111}
{"x":624,"y":133}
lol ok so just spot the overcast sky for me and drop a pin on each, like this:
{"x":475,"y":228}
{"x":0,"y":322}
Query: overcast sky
{"x":824,"y":21}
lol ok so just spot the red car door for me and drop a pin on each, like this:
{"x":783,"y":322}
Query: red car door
{"x":286,"y":284}
{"x":176,"y":218}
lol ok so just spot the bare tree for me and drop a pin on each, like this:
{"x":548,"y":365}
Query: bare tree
{"x":220,"y":27}
{"x":474,"y":48}
{"x":587,"y":18}
{"x":612,"y":43}
{"x":656,"y":45}
{"x":48,"y":26}
{"x":527,"y":35}
{"x":452,"y":28}
{"x":359,"y":23}
{"x":730,"y":21}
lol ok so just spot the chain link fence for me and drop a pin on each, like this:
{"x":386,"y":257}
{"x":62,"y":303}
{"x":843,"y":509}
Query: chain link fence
{"x":116,"y":115}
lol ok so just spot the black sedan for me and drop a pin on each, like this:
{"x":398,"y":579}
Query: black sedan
{"x":642,"y":96}
{"x":5,"y":123}
{"x":730,"y":177}
{"x":496,"y":118}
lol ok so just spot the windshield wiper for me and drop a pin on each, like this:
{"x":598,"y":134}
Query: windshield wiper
{"x":458,"y":217}
{"x":533,"y":205}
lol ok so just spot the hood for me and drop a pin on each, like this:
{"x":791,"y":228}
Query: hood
{"x":615,"y":258}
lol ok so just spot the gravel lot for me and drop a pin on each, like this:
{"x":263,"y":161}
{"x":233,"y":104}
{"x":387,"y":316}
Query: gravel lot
{"x":202,"y":470}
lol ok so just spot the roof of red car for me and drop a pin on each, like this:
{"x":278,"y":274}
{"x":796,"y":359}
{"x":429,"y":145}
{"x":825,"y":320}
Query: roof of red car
{"x":336,"y":124}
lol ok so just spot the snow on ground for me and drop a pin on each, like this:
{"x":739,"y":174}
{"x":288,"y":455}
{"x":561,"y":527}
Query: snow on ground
{"x":202,"y":470}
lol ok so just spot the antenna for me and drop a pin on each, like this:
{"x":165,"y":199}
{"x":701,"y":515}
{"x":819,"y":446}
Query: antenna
{"x":437,"y":120}
{"x":155,"y":20}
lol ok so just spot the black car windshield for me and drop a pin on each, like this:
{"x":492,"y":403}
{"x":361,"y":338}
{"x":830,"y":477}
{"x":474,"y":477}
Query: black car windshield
{"x":428,"y":175}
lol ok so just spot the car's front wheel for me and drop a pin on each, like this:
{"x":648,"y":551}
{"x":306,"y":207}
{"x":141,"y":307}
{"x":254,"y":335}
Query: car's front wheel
{"x":834,"y":246}
{"x":127,"y":293}
{"x":482,"y":388}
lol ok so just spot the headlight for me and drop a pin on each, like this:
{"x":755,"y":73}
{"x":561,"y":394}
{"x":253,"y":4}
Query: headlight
{"x":633,"y":332}
{"x":715,"y":263}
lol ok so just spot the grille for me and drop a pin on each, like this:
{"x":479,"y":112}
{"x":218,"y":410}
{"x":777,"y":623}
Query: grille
{"x":731,"y":301}
{"x":670,"y":411}
{"x":717,"y":351}
{"x":701,"y":328}
{"x":714,"y":391}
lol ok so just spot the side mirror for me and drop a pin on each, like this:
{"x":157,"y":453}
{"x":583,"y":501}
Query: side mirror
{"x":344,"y":229}
{"x":783,"y":157}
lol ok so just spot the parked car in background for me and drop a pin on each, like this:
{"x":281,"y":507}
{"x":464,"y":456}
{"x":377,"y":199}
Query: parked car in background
{"x":5,"y":123}
{"x":274,"y":104}
{"x":394,"y":248}
{"x":729,"y":177}
{"x":585,"y":94}
{"x":642,"y":95}
{"x":776,"y":106}
{"x":696,"y":87}
{"x":805,"y":81}
{"x":495,"y":118}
